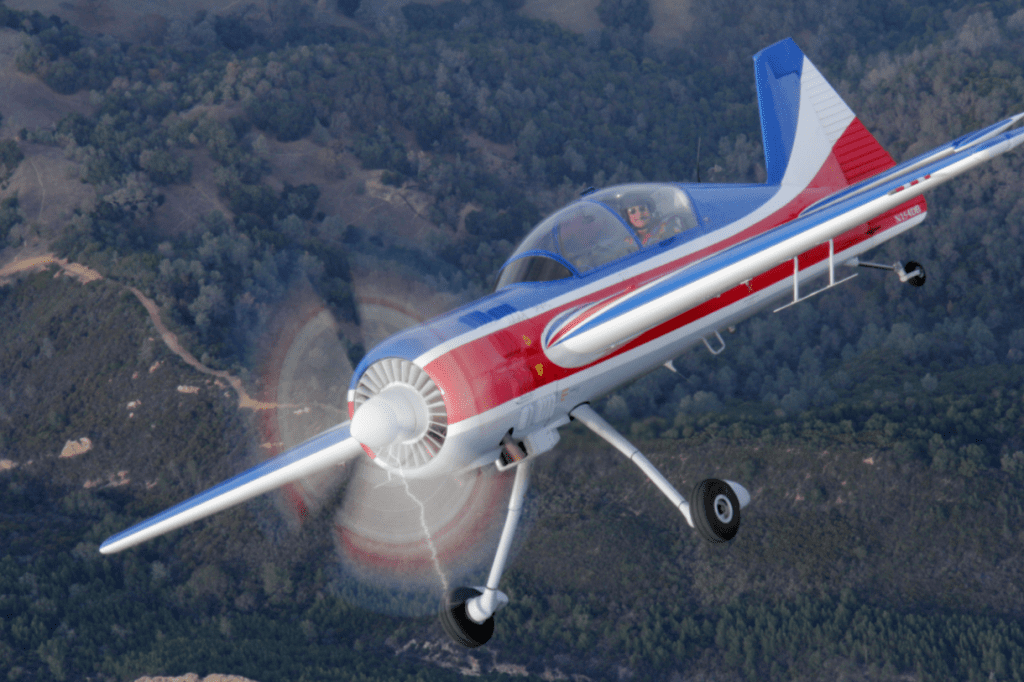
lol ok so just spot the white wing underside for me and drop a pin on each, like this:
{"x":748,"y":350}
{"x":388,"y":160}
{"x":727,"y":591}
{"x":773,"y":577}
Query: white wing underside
{"x":325,"y":451}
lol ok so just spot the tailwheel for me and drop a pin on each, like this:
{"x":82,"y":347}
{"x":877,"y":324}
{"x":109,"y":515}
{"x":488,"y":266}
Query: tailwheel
{"x":457,"y":623}
{"x":715,"y":510}
{"x":918,"y":279}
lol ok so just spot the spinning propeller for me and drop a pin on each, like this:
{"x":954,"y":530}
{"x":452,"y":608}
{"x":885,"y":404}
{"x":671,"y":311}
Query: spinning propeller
{"x":393,"y":536}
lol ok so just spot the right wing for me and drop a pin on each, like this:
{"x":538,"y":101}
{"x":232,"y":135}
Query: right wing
{"x":328,"y":449}
{"x":815,"y":148}
{"x":600,"y":327}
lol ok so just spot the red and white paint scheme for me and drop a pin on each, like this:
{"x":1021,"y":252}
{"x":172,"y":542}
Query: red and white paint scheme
{"x":610,"y":287}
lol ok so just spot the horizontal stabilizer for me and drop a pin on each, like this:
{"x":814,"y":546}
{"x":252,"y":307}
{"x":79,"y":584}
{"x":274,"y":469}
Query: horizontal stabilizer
{"x":328,"y":449}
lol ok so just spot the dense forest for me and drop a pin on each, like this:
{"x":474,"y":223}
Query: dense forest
{"x":880,"y":427}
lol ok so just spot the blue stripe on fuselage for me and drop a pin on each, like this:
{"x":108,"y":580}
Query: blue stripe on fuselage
{"x":716,"y":206}
{"x":721,"y":205}
{"x":737,"y":253}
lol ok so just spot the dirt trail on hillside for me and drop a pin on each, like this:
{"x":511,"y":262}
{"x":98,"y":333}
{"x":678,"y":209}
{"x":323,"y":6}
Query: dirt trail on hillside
{"x":36,"y":263}
{"x":85,"y":275}
{"x":245,"y":402}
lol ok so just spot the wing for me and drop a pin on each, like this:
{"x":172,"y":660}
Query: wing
{"x":598,"y":328}
{"x":321,"y":452}
{"x":817,"y":155}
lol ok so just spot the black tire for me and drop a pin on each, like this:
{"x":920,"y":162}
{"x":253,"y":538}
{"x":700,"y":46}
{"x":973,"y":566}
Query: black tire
{"x":715,"y":510}
{"x":457,"y":623}
{"x":918,"y":280}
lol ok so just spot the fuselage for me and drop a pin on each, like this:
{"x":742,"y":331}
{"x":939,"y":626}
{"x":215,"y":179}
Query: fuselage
{"x":496,"y":363}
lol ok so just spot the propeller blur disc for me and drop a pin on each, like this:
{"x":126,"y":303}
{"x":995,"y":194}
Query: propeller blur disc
{"x":400,"y":543}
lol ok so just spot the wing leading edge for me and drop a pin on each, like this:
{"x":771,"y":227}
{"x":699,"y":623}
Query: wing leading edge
{"x":328,"y":449}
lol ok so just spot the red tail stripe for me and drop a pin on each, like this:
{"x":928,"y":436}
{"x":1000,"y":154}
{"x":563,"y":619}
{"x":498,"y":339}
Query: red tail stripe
{"x":859,"y":154}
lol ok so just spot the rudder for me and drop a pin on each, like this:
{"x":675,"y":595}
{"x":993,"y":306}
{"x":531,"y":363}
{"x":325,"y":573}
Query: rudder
{"x":813,"y":142}
{"x":804,"y":119}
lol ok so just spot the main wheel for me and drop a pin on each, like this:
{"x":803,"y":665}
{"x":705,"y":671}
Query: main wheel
{"x":715,"y":510}
{"x":916,"y":280}
{"x":457,"y":623}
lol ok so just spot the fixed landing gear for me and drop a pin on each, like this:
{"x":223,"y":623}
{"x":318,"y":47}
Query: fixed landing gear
{"x":457,"y":623}
{"x":715,"y":510}
{"x":714,"y":507}
{"x":912,"y":273}
{"x":467,"y":613}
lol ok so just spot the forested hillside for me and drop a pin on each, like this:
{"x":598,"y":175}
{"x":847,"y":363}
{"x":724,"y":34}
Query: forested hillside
{"x":878,"y":427}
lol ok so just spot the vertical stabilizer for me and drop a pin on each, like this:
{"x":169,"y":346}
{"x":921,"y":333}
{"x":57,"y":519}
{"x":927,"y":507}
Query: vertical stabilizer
{"x":813,"y":142}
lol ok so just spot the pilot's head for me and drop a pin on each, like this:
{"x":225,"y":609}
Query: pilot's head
{"x":638,"y":214}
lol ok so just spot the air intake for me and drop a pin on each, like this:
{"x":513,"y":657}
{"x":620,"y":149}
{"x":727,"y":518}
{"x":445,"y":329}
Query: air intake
{"x":398,"y":376}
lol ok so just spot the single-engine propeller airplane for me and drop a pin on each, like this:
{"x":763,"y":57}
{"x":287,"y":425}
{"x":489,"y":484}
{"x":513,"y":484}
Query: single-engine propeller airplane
{"x":610,"y":287}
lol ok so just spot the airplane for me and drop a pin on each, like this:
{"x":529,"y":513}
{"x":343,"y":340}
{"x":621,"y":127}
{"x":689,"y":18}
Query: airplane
{"x":610,"y":287}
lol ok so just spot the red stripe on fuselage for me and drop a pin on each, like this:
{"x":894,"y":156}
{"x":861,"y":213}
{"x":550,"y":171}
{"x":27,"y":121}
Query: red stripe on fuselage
{"x":509,"y":363}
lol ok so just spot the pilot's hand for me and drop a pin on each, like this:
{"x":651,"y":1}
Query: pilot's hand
{"x":672,"y":226}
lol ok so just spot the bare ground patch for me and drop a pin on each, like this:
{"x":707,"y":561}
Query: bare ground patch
{"x":355,"y":195}
{"x":25,"y":101}
{"x":185,"y":204}
{"x":129,"y":20}
{"x":46,"y":183}
{"x":48,"y":188}
{"x":497,"y":158}
{"x":24,"y":262}
{"x":48,"y":191}
{"x":149,"y":20}
{"x":673,"y":20}
{"x":578,"y":16}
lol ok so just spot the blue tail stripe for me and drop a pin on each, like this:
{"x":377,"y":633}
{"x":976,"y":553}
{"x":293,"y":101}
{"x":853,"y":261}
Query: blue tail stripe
{"x":777,"y":72}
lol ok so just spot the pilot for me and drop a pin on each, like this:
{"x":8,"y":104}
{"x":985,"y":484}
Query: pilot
{"x":641,"y":218}
{"x":638,"y":215}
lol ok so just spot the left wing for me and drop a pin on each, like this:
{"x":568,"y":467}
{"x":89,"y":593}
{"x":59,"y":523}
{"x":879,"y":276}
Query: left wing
{"x":600,"y":328}
{"x":328,"y":449}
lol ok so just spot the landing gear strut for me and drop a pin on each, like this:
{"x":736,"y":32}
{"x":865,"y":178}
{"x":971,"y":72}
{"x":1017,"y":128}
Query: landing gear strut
{"x":467,"y":613}
{"x":714,"y":509}
{"x":912,"y":273}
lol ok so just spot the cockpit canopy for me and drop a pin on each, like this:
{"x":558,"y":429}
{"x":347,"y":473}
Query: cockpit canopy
{"x":597,"y":229}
